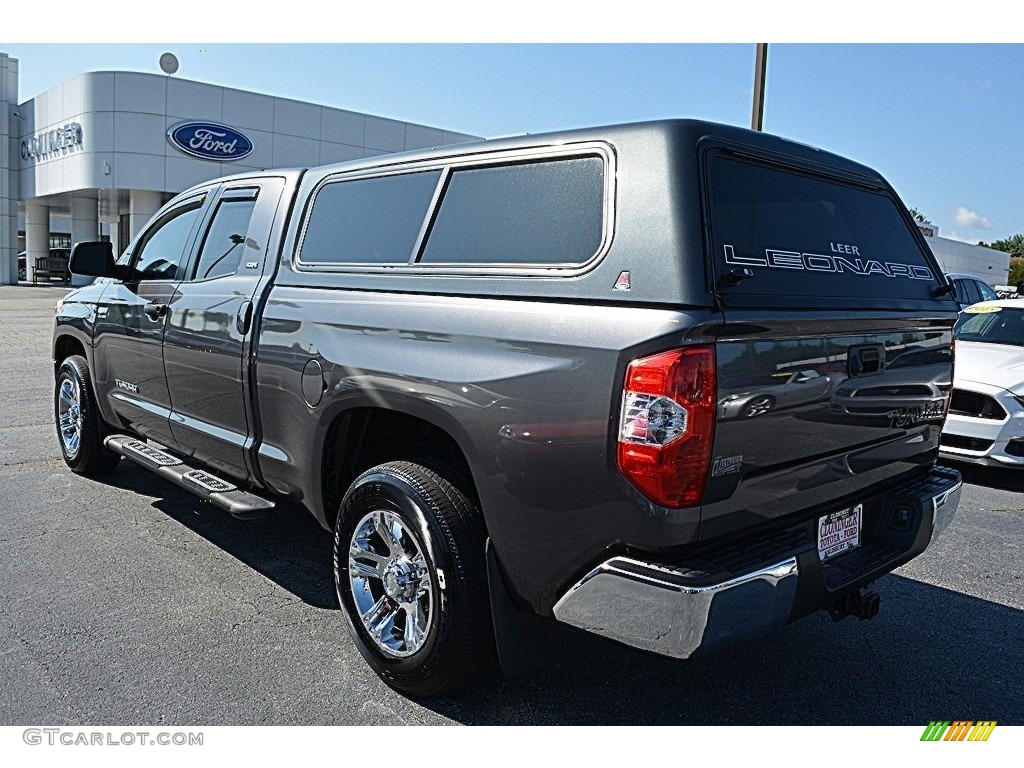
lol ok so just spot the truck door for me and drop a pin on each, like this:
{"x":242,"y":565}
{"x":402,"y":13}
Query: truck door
{"x":208,"y":334}
{"x":131,"y":317}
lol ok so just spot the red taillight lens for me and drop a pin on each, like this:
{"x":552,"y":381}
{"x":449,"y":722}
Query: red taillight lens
{"x":667,"y":425}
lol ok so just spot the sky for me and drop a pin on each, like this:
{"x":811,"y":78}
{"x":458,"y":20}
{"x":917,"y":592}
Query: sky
{"x":942,"y":122}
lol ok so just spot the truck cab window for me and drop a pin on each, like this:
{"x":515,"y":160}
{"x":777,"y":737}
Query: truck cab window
{"x":225,"y":240}
{"x":161,"y":252}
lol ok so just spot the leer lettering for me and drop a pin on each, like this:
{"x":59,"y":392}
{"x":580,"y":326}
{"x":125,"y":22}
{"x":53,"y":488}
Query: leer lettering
{"x":819,"y":262}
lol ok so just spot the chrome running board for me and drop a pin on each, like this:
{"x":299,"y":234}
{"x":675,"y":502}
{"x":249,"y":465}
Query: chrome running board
{"x":238,"y":503}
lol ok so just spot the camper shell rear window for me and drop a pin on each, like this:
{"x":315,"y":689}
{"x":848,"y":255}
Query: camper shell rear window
{"x":805,"y":235}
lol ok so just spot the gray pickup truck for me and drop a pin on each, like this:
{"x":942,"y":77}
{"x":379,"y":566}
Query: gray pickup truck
{"x":581,"y":379}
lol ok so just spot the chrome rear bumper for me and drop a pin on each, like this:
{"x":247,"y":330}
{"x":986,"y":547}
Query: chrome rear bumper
{"x":944,"y":506}
{"x":680,"y":612}
{"x":651,"y":607}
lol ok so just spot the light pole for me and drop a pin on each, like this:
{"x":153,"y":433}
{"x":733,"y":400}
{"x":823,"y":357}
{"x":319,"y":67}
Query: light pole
{"x":760,"y":70}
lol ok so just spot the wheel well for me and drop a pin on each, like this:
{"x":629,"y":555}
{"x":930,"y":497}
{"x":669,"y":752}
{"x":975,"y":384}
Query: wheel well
{"x":65,"y":347}
{"x":365,"y":437}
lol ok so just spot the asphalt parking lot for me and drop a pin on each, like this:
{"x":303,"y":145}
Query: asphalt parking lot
{"x":129,"y":601}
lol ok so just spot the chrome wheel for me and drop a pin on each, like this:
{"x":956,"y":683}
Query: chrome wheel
{"x":758,"y":407}
{"x":69,"y":416}
{"x":391,"y":583}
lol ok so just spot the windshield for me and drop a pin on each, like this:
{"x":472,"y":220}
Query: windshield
{"x":992,"y":325}
{"x":912,"y":359}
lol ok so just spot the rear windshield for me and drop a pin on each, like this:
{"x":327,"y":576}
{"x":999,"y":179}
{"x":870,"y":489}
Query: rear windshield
{"x":992,"y":324}
{"x":804,"y":235}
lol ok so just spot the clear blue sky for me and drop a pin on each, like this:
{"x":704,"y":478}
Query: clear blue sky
{"x":942,"y":122}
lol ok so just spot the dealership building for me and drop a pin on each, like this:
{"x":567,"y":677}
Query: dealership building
{"x":988,"y":264}
{"x":96,"y":156}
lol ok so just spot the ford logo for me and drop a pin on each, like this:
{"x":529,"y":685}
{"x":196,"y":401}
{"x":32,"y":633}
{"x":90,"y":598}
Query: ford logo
{"x":209,"y":141}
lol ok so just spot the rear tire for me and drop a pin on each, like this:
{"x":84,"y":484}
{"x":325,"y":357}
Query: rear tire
{"x":411,"y":577}
{"x":79,"y":431}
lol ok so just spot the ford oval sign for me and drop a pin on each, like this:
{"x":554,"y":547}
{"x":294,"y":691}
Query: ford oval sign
{"x":209,"y":141}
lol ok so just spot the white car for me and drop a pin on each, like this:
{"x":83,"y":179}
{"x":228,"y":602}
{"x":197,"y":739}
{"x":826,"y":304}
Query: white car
{"x":986,"y":412}
{"x":968,"y":289}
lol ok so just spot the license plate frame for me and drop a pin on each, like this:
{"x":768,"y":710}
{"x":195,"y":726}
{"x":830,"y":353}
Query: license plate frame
{"x":840,"y":532}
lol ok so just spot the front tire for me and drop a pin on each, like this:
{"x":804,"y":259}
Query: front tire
{"x":411,"y":578}
{"x":78,"y":426}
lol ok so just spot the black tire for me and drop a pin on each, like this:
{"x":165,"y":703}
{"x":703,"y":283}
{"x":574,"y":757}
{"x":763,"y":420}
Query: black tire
{"x":758,"y":406}
{"x":89,"y":456}
{"x":458,"y":645}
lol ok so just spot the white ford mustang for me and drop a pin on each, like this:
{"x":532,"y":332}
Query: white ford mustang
{"x":986,"y":412}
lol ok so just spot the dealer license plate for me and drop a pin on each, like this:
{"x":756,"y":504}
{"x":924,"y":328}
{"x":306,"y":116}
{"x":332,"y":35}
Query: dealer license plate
{"x":839,"y":532}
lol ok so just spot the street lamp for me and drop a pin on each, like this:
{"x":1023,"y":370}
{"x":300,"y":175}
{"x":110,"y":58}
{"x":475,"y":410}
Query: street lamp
{"x":760,"y":70}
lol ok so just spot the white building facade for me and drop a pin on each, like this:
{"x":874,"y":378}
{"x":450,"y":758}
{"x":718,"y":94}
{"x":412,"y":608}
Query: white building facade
{"x":94,"y":156}
{"x":987,"y":264}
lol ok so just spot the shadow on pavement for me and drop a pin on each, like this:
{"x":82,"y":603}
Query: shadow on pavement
{"x":931,"y":654}
{"x":288,"y":547}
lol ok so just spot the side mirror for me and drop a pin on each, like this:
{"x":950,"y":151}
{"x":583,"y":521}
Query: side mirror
{"x":93,"y":260}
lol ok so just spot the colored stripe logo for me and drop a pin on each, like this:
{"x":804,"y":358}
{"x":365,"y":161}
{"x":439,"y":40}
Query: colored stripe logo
{"x":959,"y":730}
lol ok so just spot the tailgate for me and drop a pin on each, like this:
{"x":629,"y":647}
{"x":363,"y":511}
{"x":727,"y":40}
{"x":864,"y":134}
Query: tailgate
{"x":833,"y":367}
{"x":815,"y":422}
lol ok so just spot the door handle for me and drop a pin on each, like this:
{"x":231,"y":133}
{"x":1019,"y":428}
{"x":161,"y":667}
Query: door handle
{"x":155,"y":310}
{"x":244,"y":317}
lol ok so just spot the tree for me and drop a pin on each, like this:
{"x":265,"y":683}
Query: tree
{"x":1013,"y":245}
{"x":1017,"y":275}
{"x":917,"y":216}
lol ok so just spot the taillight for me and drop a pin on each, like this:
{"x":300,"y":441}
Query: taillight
{"x":667,"y":425}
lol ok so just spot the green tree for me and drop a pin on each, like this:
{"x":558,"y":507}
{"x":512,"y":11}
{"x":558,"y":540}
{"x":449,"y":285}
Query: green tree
{"x":917,"y":216}
{"x":1013,"y":245}
{"x":1017,"y":274}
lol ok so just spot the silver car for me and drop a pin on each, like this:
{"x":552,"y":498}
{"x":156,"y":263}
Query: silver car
{"x":754,"y":396}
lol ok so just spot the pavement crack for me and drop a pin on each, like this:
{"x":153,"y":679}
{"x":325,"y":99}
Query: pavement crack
{"x":28,"y":463}
{"x":257,"y":610}
{"x":48,"y":678}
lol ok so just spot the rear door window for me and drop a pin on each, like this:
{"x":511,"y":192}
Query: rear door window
{"x":987,"y":294}
{"x":967,"y":291}
{"x":807,"y":235}
{"x":225,"y":239}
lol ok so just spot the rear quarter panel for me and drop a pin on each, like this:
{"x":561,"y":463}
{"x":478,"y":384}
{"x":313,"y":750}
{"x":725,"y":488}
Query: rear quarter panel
{"x":529,"y":390}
